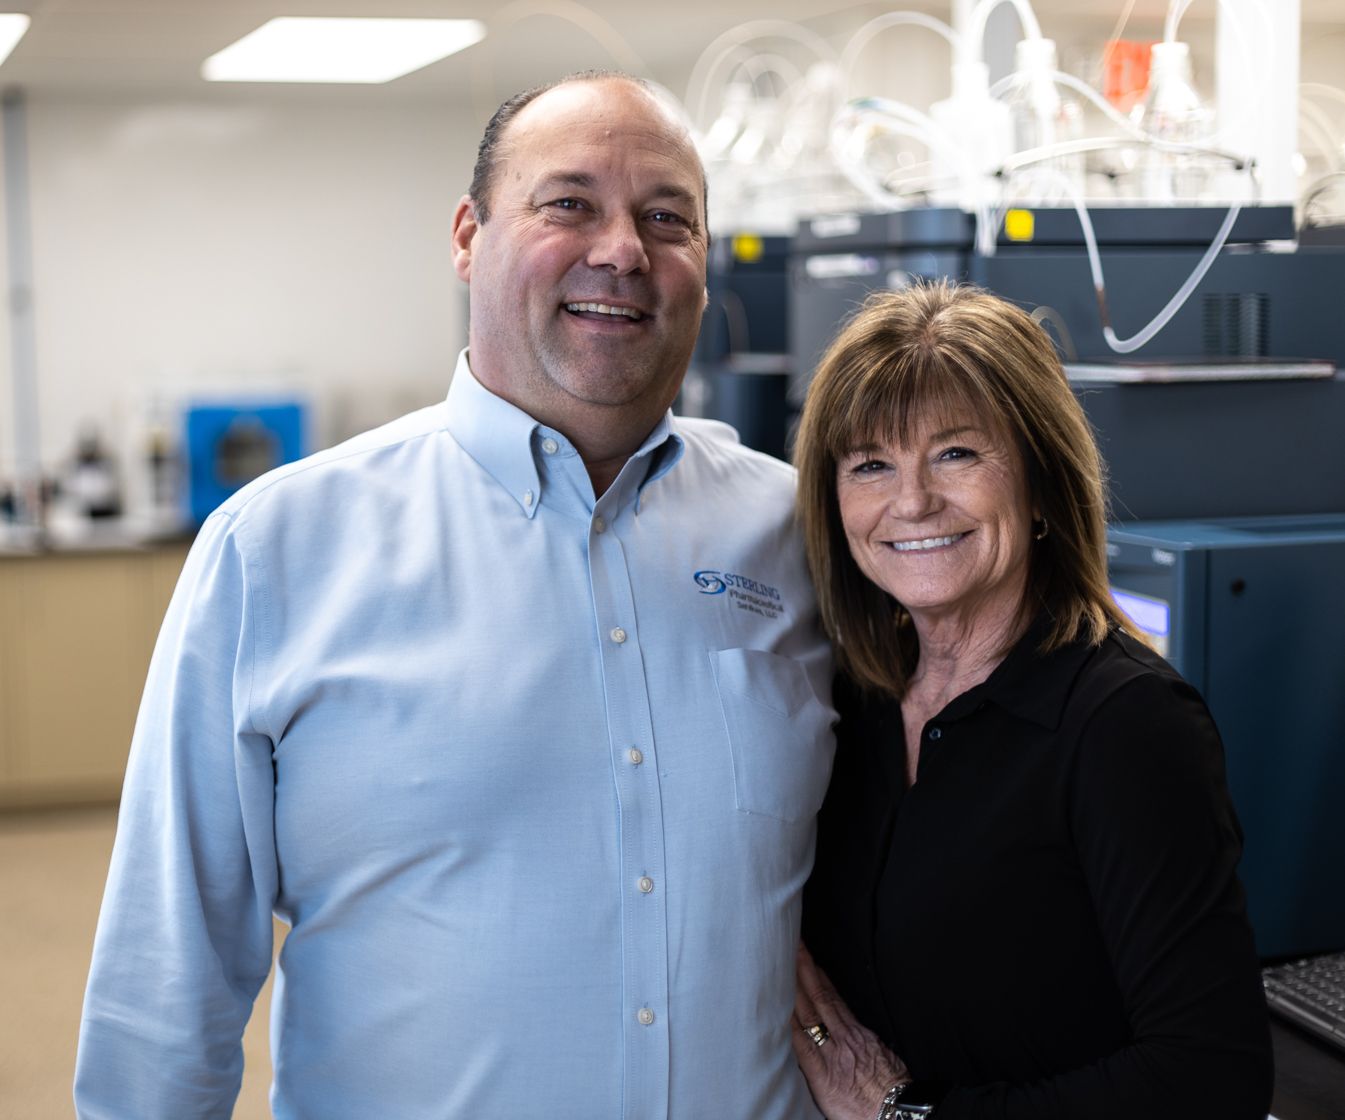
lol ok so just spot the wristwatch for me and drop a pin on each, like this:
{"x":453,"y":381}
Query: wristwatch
{"x":908,"y":1101}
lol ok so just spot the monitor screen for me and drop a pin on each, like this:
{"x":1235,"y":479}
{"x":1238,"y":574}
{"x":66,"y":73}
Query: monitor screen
{"x":1151,"y":615}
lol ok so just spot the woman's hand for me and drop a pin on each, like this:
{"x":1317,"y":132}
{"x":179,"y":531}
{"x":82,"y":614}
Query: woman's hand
{"x":849,"y":1073}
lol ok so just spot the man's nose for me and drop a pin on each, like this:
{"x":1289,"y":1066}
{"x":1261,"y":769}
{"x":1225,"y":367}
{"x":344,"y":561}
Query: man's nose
{"x":617,"y":245}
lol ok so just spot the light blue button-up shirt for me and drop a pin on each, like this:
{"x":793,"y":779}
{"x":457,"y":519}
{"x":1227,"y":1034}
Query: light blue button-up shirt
{"x":531,"y":777}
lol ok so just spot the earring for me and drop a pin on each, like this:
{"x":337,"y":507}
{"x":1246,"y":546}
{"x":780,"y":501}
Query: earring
{"x":1040,"y":534}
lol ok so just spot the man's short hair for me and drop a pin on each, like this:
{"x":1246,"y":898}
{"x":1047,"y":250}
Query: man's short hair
{"x":488,"y":151}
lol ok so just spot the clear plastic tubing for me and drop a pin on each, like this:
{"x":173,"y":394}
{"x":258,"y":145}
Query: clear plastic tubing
{"x":974,"y":41}
{"x":861,"y":38}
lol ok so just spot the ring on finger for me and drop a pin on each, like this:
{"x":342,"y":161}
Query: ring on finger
{"x":818,"y":1033}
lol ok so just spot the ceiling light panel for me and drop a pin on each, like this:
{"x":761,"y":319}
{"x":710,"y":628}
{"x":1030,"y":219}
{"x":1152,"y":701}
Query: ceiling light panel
{"x":12,"y":28}
{"x":357,"y":51}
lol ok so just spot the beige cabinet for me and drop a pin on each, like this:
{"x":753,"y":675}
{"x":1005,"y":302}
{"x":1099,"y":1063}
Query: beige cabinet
{"x":76,"y":633}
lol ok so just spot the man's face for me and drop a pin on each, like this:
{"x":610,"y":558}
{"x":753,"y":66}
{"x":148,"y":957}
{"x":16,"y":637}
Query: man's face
{"x":588,"y":279}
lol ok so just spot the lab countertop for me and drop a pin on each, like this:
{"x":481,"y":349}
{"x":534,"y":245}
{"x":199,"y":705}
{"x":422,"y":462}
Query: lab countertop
{"x":116,"y":536}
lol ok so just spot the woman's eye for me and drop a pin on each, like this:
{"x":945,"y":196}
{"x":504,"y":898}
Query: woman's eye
{"x":868,"y":466}
{"x":957,"y":453}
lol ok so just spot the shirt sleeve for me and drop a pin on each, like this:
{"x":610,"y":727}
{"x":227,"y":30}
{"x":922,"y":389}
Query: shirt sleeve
{"x":184,"y":937}
{"x":1158,"y":843}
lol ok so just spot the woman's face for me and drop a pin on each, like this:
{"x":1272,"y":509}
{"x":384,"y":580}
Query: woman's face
{"x":943,"y":521}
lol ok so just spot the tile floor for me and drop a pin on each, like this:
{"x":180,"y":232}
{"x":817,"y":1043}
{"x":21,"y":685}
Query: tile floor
{"x":52,"y":868}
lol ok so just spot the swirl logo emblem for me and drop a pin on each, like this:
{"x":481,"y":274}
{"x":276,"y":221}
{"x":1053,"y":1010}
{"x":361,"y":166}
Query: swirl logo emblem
{"x":710,"y":582}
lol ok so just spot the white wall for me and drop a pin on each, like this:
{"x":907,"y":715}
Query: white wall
{"x":216,"y":245}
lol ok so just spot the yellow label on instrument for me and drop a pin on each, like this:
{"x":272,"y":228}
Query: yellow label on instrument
{"x":1019,"y":225}
{"x":748,"y":247}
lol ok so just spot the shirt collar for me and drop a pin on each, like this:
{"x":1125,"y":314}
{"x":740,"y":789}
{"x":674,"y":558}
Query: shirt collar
{"x":500,"y":437}
{"x":1030,"y":685}
{"x":661,"y":451}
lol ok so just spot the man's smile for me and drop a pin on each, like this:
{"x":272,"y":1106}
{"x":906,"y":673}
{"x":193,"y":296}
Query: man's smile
{"x":605,"y":311}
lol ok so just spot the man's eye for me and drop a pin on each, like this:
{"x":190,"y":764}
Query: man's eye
{"x":568,"y":204}
{"x":667,"y":217}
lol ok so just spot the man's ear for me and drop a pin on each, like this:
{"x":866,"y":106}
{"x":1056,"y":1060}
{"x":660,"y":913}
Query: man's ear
{"x":465,"y":226}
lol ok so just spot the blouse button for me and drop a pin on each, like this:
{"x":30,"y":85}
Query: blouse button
{"x":935,"y":734}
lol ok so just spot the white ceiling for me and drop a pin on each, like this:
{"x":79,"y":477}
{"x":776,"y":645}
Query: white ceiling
{"x":155,"y":47}
{"x":159,"y":45}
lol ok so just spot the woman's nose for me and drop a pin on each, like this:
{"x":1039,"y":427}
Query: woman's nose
{"x":913,"y":495}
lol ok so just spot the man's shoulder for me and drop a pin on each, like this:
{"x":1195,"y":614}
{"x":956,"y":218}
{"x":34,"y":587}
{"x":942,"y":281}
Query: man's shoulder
{"x":364,"y":459}
{"x":716,"y":446}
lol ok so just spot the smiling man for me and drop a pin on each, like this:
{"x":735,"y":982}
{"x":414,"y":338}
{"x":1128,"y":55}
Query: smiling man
{"x":514,"y":710}
{"x":588,"y":278}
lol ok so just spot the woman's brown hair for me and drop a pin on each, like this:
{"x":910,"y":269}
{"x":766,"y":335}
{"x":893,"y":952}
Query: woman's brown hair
{"x":934,"y":348}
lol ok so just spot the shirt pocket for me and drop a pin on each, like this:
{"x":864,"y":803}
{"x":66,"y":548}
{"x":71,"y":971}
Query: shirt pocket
{"x":779,"y":733}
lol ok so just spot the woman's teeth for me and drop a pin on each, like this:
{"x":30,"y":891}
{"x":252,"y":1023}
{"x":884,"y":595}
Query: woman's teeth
{"x":927,"y":543}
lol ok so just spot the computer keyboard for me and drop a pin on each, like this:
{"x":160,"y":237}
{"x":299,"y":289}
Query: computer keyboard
{"x":1311,"y":994}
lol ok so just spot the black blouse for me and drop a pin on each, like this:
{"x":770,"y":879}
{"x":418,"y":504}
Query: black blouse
{"x":1049,"y":920}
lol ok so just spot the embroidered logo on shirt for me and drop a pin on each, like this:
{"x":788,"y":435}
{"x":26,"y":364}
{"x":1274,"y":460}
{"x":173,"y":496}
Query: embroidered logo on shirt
{"x":710,"y":583}
{"x":746,"y":594}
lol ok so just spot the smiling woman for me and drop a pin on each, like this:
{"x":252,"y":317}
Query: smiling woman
{"x":938,"y":387}
{"x":941,"y":521}
{"x":1024,"y":889}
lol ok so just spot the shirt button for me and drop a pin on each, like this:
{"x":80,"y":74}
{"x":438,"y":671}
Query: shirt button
{"x":527,"y":497}
{"x":645,"y":1016}
{"x":599,"y":525}
{"x":550,"y":446}
{"x":646,"y":884}
{"x":935,"y":734}
{"x":618,"y":635}
{"x":636,"y":756}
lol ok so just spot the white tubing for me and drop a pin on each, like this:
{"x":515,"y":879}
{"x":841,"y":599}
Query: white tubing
{"x":698,"y":85}
{"x":1177,"y":9}
{"x":1071,"y":82}
{"x":974,"y":40}
{"x":1030,"y":156}
{"x":1321,"y":128}
{"x":861,"y":38}
{"x":1175,"y":304}
{"x":1321,"y":89}
{"x":755,"y":65}
{"x":1130,"y":127}
{"x":1146,"y":333}
{"x":599,"y":29}
{"x":1158,"y":322}
{"x":897,"y":117}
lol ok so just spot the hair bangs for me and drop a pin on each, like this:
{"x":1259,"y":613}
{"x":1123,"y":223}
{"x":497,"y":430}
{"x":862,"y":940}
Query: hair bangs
{"x":889,"y":401}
